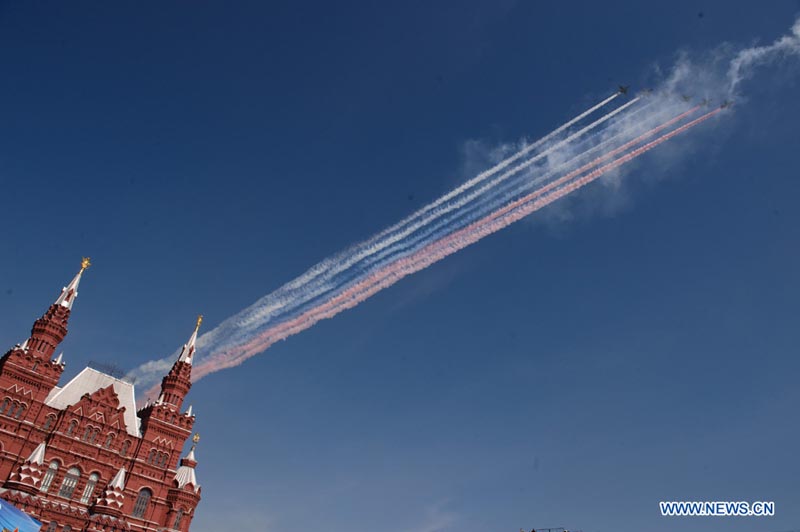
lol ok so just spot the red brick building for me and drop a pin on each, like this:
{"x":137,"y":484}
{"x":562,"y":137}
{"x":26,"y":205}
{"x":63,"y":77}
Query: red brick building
{"x":80,"y":457}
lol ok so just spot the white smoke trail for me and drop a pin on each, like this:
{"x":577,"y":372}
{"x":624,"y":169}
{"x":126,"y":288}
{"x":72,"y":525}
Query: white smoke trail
{"x":620,"y":128}
{"x":324,"y":282}
{"x":320,"y":279}
{"x":301,"y":290}
{"x":741,"y":67}
{"x":298,"y":290}
{"x":472,"y":212}
{"x":242,"y":326}
{"x":433,"y":253}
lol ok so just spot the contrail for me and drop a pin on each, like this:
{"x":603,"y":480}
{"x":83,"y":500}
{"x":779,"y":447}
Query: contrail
{"x":465,"y":212}
{"x":461,"y":217}
{"x":326,"y":276}
{"x":554,"y":166}
{"x":323,"y":282}
{"x":439,"y":250}
{"x":301,"y":289}
{"x":283,"y":307}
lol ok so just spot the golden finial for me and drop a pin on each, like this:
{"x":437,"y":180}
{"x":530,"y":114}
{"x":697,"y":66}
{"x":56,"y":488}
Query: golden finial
{"x":196,"y":438}
{"x":85,"y":263}
{"x":199,"y":321}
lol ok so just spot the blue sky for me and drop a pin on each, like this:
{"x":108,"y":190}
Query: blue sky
{"x":567,"y":373}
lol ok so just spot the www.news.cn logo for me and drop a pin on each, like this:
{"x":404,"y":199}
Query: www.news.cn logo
{"x":717,"y":508}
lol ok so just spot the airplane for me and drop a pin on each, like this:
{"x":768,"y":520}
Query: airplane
{"x":623,"y":89}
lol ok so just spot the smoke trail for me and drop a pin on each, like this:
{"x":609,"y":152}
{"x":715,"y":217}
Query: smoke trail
{"x":325,"y":282}
{"x":741,"y":66}
{"x":467,"y":214}
{"x":202,"y":369}
{"x":318,"y":280}
{"x":433,"y":253}
{"x":500,"y":185}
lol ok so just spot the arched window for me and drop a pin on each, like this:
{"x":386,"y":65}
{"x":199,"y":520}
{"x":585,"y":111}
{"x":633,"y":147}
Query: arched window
{"x":152,"y":457}
{"x":5,"y":405}
{"x":48,"y":422}
{"x":141,"y":502}
{"x":125,"y":445}
{"x":69,"y":483}
{"x":109,"y":441}
{"x":49,"y":476}
{"x":52,"y":526}
{"x":66,"y":528}
{"x":93,"y":435}
{"x":178,"y":518}
{"x":20,"y":410}
{"x":72,"y":426}
{"x":87,"y":433}
{"x":88,"y":491}
{"x":12,"y":409}
{"x":35,"y":365}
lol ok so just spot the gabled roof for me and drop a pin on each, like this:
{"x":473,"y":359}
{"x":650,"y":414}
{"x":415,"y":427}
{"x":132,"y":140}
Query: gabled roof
{"x":89,"y":381}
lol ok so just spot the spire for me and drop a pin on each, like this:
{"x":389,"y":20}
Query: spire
{"x":188,"y":348}
{"x":70,"y":292}
{"x":51,"y":329}
{"x":185,"y":474}
{"x":58,"y":358}
{"x":176,"y":384}
{"x":189,"y":411}
{"x":110,"y":503}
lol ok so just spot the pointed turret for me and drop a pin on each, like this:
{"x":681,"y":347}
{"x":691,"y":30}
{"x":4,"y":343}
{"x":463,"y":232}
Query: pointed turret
{"x":184,"y":495}
{"x":188,"y":348}
{"x":110,"y":503}
{"x":51,"y":329}
{"x":185,"y":475}
{"x":34,"y":358}
{"x":178,"y":381}
{"x":28,"y":477}
{"x":70,"y":292}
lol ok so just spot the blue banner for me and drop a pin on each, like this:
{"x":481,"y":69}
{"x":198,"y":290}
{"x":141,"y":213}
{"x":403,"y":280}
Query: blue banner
{"x":13,"y":519}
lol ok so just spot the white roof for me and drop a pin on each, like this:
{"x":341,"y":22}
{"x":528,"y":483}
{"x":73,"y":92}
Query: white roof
{"x":89,"y":381}
{"x":185,"y":475}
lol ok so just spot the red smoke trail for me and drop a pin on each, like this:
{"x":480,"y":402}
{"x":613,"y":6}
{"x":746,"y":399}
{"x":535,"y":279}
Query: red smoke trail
{"x":440,"y":249}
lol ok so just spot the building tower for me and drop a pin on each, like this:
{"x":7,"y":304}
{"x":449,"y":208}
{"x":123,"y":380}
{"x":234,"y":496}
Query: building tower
{"x":78,"y":456}
{"x":29,"y":365}
{"x":178,"y":381}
